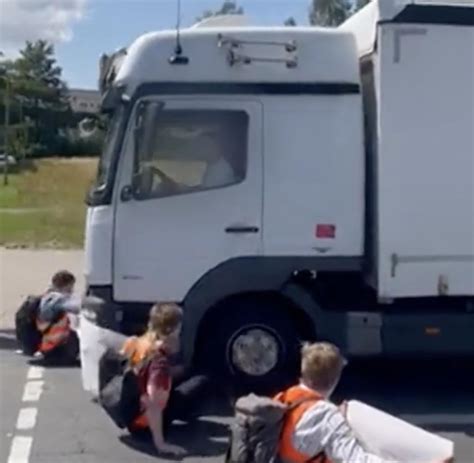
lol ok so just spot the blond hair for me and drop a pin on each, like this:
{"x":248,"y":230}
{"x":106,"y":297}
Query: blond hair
{"x":165,"y":318}
{"x":321,"y":365}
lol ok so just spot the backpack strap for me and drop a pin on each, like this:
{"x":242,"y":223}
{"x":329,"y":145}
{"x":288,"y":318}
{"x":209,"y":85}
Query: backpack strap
{"x":55,"y":320}
{"x":319,"y":458}
{"x":299,"y":402}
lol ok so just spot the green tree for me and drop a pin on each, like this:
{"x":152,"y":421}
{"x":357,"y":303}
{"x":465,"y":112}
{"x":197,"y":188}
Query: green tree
{"x":37,"y":79}
{"x":7,"y":106}
{"x":290,"y":22}
{"x":360,"y":4}
{"x":228,"y":7}
{"x":329,"y":12}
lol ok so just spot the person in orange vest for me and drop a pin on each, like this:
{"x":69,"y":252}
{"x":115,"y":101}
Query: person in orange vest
{"x":316,"y":430}
{"x":58,"y":341}
{"x":150,"y":356}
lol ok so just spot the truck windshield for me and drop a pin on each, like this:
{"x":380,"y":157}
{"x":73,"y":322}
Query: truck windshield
{"x":101,"y":190}
{"x":110,"y":145}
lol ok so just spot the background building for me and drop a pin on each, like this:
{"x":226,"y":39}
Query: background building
{"x":84,"y":101}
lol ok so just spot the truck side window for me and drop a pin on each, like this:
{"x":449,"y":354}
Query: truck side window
{"x":184,"y":151}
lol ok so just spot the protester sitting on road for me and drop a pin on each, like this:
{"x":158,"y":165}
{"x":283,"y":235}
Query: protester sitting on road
{"x":316,"y":431}
{"x":162,"y":399}
{"x":58,"y":340}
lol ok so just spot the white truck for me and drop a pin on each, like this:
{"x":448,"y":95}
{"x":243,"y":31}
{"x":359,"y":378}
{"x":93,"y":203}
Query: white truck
{"x":294,"y":183}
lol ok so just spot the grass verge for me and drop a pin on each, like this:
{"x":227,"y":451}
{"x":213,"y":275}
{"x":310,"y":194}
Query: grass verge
{"x":44,"y":206}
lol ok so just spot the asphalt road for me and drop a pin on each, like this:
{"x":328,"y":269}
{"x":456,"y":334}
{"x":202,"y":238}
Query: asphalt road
{"x":58,"y":423}
{"x":27,"y":271}
{"x":69,"y":427}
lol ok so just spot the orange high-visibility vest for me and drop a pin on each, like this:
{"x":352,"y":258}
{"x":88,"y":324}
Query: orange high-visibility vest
{"x":137,"y":349}
{"x":54,"y":335}
{"x":306,"y":398}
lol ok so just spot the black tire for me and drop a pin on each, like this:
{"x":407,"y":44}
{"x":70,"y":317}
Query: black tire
{"x":244,"y":316}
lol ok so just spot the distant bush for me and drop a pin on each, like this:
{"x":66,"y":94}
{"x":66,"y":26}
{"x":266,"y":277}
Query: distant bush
{"x":68,"y":146}
{"x":82,"y":147}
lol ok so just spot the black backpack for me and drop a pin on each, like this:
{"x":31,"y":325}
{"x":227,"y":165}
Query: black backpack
{"x":256,"y":429}
{"x":119,"y":389}
{"x":27,"y":334}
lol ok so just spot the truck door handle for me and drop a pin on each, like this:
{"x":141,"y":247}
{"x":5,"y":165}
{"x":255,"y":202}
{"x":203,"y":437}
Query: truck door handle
{"x":242,"y":229}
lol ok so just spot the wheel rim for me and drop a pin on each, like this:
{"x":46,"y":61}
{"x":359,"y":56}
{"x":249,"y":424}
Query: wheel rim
{"x":254,"y":351}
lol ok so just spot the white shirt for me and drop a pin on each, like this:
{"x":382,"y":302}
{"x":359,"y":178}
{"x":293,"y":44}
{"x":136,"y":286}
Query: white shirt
{"x":218,"y":173}
{"x":323,"y":428}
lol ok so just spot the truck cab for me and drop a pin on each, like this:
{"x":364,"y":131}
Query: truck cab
{"x":239,"y":179}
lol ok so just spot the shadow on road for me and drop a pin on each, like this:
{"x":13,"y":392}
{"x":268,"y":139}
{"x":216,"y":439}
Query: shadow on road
{"x":436,"y":394}
{"x":8,"y":340}
{"x":201,"y":438}
{"x":54,"y":363}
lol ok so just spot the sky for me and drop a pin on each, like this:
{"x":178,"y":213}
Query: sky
{"x":84,"y":29}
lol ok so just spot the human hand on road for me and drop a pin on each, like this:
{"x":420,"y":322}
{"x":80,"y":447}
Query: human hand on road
{"x":170,"y":449}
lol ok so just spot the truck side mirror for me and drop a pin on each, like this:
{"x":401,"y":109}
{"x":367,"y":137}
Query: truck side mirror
{"x":142,"y":183}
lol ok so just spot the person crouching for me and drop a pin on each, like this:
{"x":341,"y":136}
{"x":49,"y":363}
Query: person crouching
{"x":162,"y":399}
{"x":315,"y":430}
{"x":58,"y":341}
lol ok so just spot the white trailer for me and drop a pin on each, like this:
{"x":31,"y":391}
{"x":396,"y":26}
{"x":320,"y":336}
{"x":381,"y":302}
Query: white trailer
{"x":418,"y":76}
{"x":238,"y":181}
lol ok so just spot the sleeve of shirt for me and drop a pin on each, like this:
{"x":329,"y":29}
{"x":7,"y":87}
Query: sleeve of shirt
{"x":50,"y":306}
{"x":54,"y":303}
{"x":71,"y":304}
{"x":324,"y":428}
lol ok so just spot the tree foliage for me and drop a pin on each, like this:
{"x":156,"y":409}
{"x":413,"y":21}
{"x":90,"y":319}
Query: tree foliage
{"x":37,"y":93}
{"x":38,"y":76}
{"x":227,"y":7}
{"x":329,"y":12}
{"x":332,"y":13}
{"x":360,"y":4}
{"x":291,"y":22}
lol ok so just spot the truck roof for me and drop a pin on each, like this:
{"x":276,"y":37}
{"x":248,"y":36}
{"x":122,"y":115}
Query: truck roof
{"x":259,"y":54}
{"x":447,"y":12}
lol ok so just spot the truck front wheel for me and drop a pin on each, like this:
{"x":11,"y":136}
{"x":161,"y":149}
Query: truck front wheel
{"x":257,"y":344}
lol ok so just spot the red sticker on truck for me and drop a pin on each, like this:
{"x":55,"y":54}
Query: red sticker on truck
{"x":326,"y":231}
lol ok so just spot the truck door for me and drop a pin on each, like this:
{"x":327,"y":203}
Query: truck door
{"x":189,"y":194}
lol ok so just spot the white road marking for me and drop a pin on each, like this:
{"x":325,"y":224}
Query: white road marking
{"x":26,"y":419}
{"x":33,"y":391}
{"x":20,"y":449}
{"x":35,"y":373}
{"x":21,"y":445}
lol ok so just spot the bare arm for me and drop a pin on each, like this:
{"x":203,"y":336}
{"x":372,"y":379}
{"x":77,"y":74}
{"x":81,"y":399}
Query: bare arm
{"x":155,"y":420}
{"x":155,"y":401}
